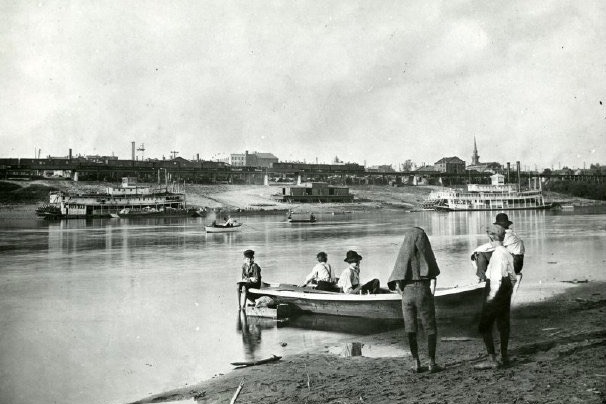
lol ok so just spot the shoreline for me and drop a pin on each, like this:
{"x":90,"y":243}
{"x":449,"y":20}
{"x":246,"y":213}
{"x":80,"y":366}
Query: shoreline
{"x":245,"y":200}
{"x":557,"y":346}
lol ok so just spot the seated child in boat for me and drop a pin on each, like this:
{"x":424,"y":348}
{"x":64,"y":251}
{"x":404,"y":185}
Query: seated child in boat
{"x":321,"y":275}
{"x":251,"y":277}
{"x":349,"y":282}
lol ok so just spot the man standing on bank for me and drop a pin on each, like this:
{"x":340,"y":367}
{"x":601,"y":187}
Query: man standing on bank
{"x":414,"y":277}
{"x":512,"y":242}
{"x":500,"y":278}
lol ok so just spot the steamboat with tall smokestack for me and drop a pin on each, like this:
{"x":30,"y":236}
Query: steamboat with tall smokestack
{"x":495,"y":196}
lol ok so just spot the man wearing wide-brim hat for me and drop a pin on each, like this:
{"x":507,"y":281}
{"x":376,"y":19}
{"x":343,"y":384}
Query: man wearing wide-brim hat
{"x":512,"y":242}
{"x":349,"y":281}
{"x":500,"y":282}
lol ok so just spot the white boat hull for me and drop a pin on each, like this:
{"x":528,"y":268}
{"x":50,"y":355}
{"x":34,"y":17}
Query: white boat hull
{"x":222,"y":229}
{"x":378,"y":306}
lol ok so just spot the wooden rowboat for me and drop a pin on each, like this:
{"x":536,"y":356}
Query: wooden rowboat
{"x":223,"y":229}
{"x":387,"y":305}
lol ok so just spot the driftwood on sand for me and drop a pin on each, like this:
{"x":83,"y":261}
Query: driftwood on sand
{"x":237,"y":393}
{"x":273,"y":358}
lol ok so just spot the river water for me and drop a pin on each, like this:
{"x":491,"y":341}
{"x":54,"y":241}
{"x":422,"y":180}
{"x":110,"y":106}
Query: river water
{"x":112,"y":310}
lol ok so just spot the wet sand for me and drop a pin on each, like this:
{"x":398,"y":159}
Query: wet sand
{"x":557,"y":346}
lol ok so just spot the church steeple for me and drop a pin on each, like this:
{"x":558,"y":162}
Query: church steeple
{"x":475,"y":159}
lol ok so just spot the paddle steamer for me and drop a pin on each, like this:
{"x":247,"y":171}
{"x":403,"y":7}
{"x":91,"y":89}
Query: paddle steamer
{"x":496,"y":196}
{"x":127,"y":199}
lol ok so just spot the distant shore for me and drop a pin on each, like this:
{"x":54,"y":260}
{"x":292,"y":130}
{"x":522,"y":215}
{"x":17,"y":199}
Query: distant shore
{"x":257,"y":199}
{"x":558,"y":347}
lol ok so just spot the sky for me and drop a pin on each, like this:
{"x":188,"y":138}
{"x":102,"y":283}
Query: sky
{"x":371,"y":82}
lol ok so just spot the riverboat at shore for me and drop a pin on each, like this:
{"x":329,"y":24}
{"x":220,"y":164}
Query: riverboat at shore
{"x":386,"y":305}
{"x":125,"y":200}
{"x":497,"y":196}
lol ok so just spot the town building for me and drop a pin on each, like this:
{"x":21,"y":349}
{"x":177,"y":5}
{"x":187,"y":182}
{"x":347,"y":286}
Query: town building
{"x":247,"y":159}
{"x":450,"y":165}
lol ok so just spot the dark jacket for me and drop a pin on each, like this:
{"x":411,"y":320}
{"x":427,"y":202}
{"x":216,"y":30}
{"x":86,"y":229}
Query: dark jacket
{"x":251,"y":271}
{"x":416,"y":260}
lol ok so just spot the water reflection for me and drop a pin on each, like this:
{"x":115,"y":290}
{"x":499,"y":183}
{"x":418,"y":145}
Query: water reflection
{"x":352,"y":349}
{"x":343,"y":325}
{"x":251,"y":328}
{"x":372,"y":350}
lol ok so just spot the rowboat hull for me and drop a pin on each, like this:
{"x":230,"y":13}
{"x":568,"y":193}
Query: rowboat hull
{"x":387,"y":306}
{"x":222,"y":229}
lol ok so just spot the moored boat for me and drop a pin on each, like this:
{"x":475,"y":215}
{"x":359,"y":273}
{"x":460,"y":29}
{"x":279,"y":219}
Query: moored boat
{"x":387,"y":305}
{"x":126,"y":200}
{"x":497,"y":196}
{"x":301,"y":217}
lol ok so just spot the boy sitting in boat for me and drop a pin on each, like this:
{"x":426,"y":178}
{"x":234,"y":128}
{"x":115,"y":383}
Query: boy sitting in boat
{"x":251,"y":277}
{"x":321,"y":275}
{"x":349,"y":282}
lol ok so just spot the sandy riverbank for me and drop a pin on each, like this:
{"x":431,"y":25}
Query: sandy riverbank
{"x":558,"y":348}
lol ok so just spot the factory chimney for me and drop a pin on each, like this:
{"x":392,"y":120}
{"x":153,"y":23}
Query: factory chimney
{"x":133,"y":149}
{"x":70,"y":154}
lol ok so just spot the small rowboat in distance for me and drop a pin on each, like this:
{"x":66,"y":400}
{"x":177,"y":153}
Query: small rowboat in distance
{"x":387,"y":305}
{"x":218,"y":228}
{"x":296,"y":217}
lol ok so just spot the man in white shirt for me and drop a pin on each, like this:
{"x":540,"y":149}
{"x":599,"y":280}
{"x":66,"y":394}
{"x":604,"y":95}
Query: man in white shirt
{"x":500,"y":278}
{"x":481,"y":255}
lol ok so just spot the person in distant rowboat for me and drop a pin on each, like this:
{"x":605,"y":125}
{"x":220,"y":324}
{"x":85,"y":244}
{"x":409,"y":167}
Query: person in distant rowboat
{"x":414,"y":277}
{"x":349,"y":282}
{"x":228,"y":221}
{"x":251,"y":277}
{"x":321,"y":275}
{"x":513,"y":244}
{"x":500,"y":279}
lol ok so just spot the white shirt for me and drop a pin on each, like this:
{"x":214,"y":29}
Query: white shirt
{"x":320,"y":272}
{"x":349,"y":278}
{"x":499,"y":267}
{"x":512,"y":242}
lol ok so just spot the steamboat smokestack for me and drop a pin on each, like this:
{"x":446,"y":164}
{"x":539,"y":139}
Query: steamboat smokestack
{"x":518,"y":170}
